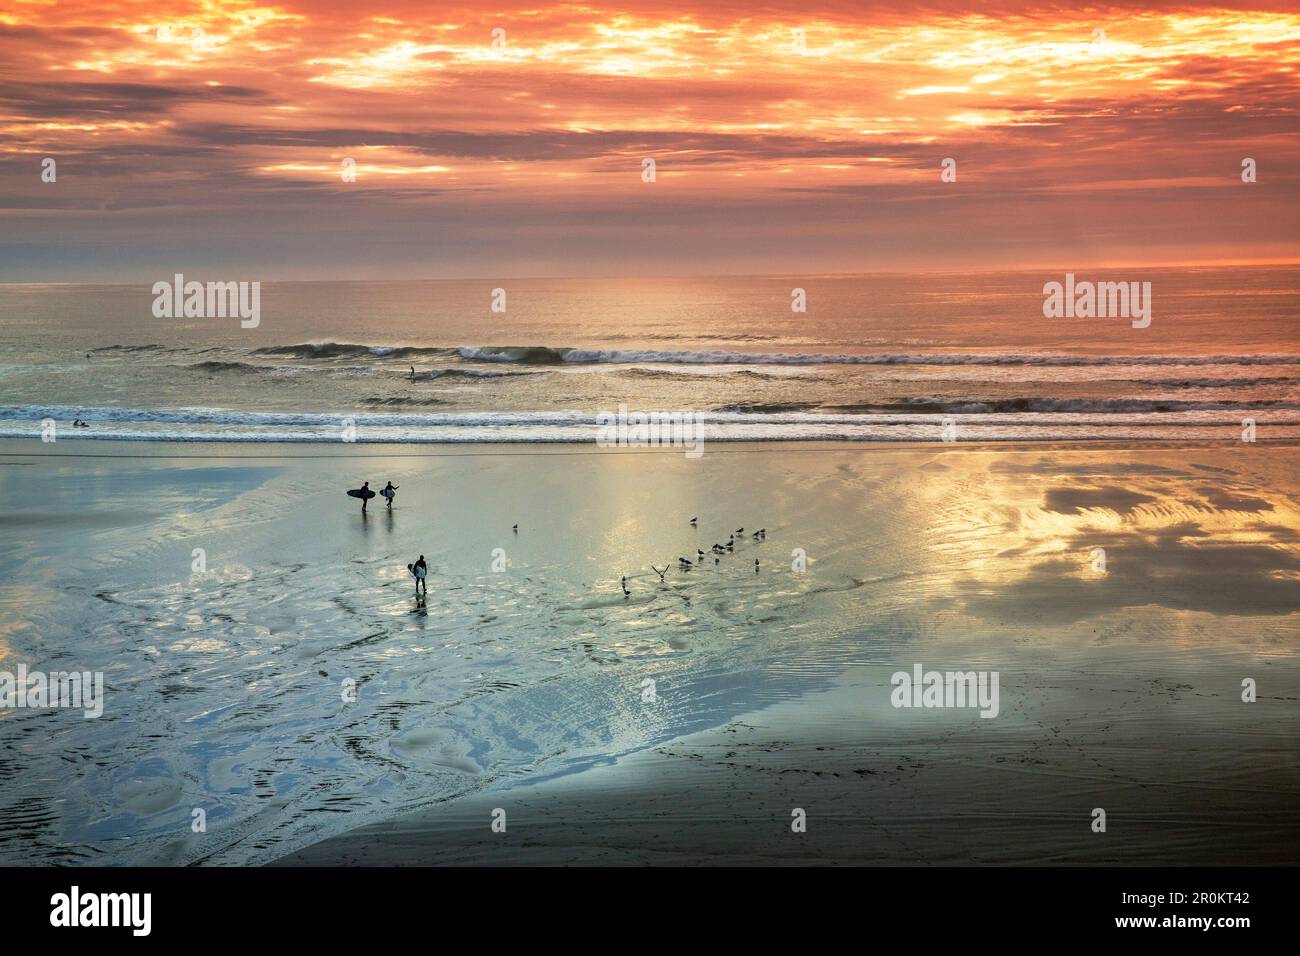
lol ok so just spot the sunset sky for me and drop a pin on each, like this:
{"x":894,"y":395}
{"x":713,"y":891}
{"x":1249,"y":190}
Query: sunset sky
{"x":209,"y":137}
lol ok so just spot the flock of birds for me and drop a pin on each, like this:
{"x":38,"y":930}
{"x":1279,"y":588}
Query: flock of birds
{"x":718,"y":550}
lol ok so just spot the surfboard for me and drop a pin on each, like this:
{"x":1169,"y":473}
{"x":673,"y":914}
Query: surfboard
{"x":363,"y":493}
{"x":418,"y":572}
{"x":388,"y":494}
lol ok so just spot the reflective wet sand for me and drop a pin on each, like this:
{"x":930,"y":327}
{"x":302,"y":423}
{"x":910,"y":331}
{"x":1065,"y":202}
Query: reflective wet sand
{"x":526,"y":688}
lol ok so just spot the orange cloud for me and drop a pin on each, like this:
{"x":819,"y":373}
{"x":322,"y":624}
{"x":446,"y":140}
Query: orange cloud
{"x":1098,"y":135}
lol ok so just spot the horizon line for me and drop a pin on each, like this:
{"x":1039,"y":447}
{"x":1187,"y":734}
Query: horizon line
{"x":1215,"y":264}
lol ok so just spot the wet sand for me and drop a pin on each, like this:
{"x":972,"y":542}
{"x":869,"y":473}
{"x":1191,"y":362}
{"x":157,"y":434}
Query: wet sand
{"x":525,"y":689}
{"x":1182,"y":777}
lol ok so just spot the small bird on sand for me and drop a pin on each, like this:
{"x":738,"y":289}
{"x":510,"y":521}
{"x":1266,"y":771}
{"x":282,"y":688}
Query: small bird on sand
{"x":626,"y":592}
{"x":693,"y":524}
{"x":514,"y":528}
{"x":700,"y":554}
{"x":658,"y":572}
{"x":740,"y":531}
{"x":756,"y":565}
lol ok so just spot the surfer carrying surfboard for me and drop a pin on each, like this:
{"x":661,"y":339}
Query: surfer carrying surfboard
{"x":364,"y":493}
{"x":389,"y":491}
{"x":420,"y":571}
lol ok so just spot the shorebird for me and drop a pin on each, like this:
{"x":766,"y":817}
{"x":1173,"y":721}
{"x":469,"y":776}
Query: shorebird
{"x":514,"y":528}
{"x":756,"y":565}
{"x":693,"y":524}
{"x":626,"y":592}
{"x":658,"y":572}
{"x":740,"y":531}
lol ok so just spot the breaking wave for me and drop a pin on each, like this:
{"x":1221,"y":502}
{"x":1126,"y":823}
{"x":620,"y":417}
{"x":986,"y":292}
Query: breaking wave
{"x":543,"y":355}
{"x":227,"y":367}
{"x":348,"y":350}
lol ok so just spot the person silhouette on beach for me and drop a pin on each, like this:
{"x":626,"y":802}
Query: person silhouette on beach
{"x":390,"y":492}
{"x":412,"y":373}
{"x":421,"y":572}
{"x":365,"y":486}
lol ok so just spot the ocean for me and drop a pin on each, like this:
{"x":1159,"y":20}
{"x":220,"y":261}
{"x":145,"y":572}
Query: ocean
{"x":269,"y":674}
{"x":883,"y":358}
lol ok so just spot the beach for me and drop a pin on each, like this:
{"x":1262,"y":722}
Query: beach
{"x":287,"y":684}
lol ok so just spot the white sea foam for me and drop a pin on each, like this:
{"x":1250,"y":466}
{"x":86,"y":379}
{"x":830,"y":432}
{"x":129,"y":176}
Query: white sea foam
{"x":976,"y":423}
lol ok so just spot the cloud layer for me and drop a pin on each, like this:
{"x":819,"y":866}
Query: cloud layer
{"x":785,"y":137}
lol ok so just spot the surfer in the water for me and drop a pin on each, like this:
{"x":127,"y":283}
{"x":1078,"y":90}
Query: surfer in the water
{"x":390,"y":492}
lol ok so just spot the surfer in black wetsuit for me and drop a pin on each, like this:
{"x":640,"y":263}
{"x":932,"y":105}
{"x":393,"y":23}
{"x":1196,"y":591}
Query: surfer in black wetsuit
{"x":421,"y":577}
{"x":412,"y":373}
{"x":365,"y":498}
{"x":389,"y":492}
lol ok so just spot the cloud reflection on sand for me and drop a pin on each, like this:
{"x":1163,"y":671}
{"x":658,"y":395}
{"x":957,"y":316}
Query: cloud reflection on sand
{"x":1170,"y":539}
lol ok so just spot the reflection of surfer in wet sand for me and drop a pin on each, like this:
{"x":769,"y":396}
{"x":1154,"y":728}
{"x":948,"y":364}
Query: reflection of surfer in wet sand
{"x":390,"y":492}
{"x":364,"y":493}
{"x":420,"y":571}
